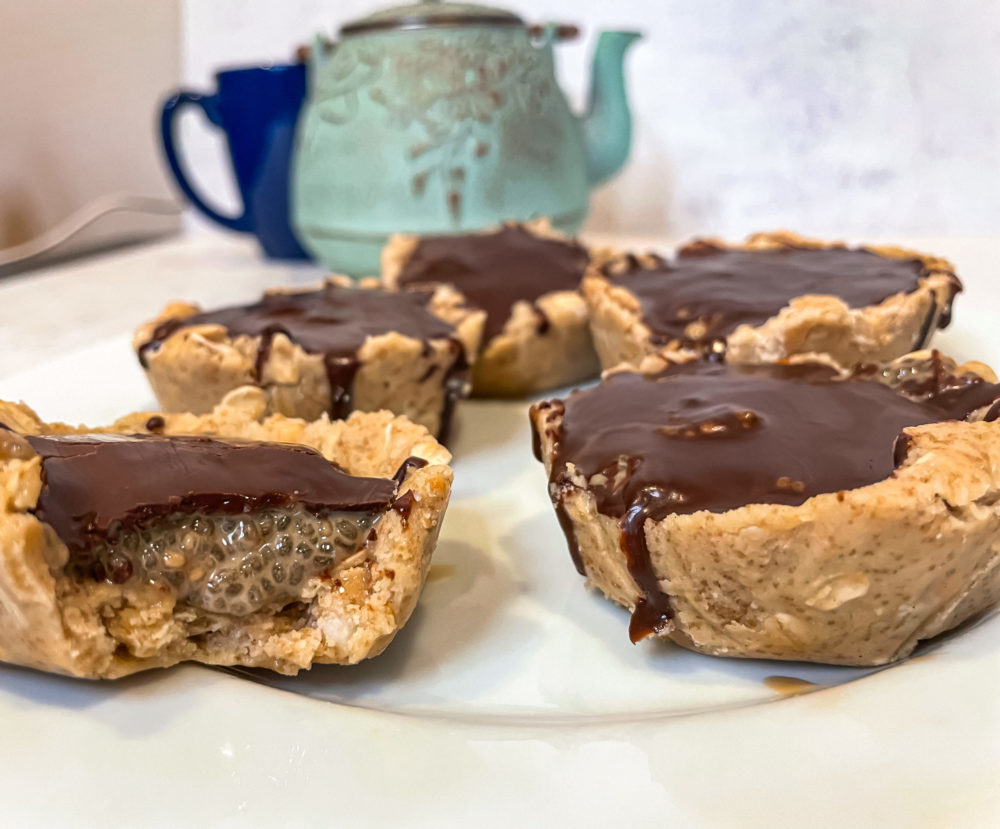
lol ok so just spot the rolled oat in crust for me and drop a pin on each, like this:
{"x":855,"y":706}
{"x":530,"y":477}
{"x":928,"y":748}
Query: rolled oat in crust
{"x":57,"y":617}
{"x":882,"y":328}
{"x":535,"y":338}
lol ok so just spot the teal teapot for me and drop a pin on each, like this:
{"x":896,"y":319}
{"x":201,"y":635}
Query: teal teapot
{"x":445,"y":118}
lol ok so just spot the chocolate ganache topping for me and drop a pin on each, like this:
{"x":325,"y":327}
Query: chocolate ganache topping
{"x":335,"y":322}
{"x":707,"y":292}
{"x":91,"y":482}
{"x":708,"y":436}
{"x":495,"y":270}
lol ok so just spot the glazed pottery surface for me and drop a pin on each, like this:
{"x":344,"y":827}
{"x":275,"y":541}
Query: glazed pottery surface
{"x":445,"y":118}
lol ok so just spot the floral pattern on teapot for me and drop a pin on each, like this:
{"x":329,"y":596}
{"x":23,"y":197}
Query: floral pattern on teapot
{"x":454,"y":91}
{"x":442,"y":117}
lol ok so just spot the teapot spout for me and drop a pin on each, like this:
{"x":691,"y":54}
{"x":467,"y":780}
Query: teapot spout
{"x":607,"y":126}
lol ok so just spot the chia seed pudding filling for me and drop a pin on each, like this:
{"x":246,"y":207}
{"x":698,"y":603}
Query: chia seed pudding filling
{"x":229,"y":526}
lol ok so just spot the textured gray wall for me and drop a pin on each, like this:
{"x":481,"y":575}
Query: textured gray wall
{"x":860,"y":117}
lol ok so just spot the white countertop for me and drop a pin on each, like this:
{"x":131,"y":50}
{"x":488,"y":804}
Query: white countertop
{"x":45,"y":313}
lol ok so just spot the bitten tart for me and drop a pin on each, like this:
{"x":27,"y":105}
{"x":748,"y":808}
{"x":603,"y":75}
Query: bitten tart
{"x":334,"y":349}
{"x":221,"y":538}
{"x":787,"y":511}
{"x":776,"y":295}
{"x":527,"y":279}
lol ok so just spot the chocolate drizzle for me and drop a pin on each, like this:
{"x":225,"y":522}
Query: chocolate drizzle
{"x":495,"y":270}
{"x":403,"y":505}
{"x":335,"y":322}
{"x":900,"y":449}
{"x":653,"y":610}
{"x":707,"y":292}
{"x":404,"y":469}
{"x":454,"y":388}
{"x":91,"y":482}
{"x":715,"y":437}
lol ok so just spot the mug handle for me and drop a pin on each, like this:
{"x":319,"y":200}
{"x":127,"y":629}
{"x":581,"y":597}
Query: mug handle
{"x":209,"y":104}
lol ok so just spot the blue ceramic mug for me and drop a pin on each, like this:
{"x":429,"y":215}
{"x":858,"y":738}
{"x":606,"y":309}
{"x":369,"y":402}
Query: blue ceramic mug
{"x":257,"y":108}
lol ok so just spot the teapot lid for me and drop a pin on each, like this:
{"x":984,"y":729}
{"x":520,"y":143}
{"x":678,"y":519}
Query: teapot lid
{"x":432,"y":15}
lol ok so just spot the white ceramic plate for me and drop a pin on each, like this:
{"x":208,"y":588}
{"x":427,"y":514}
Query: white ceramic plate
{"x":512,"y":698}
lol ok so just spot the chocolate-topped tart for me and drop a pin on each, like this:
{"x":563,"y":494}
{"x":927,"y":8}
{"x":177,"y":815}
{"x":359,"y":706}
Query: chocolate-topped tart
{"x":223,"y":538}
{"x":527,"y":279}
{"x":333,"y":349}
{"x":776,"y":295}
{"x":788,"y":511}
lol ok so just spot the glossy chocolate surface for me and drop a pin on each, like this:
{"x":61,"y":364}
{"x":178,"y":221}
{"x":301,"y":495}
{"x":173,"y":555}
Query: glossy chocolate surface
{"x":707,"y":292}
{"x":92,"y":481}
{"x":334,"y":322}
{"x":495,"y":270}
{"x":708,"y":436}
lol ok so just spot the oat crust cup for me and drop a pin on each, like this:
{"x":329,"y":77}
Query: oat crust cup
{"x":527,"y":279}
{"x":209,"y":562}
{"x":334,"y":349}
{"x":771,"y":297}
{"x":784,"y":511}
